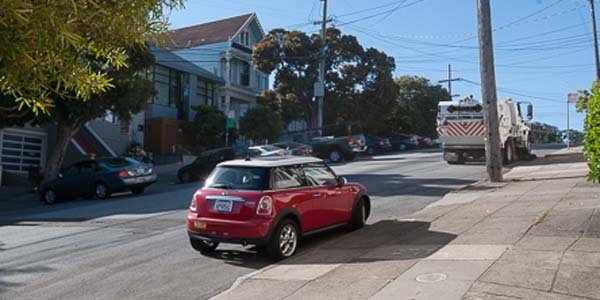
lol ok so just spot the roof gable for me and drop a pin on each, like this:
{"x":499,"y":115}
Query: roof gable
{"x":207,"y":33}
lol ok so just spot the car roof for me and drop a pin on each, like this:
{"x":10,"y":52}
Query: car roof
{"x":270,"y":162}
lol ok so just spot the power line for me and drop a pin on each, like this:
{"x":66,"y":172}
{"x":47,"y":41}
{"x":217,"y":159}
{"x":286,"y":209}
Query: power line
{"x":381,"y":13}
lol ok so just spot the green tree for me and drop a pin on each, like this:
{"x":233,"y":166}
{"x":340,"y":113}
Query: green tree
{"x":208,"y":127}
{"x":130,"y":92}
{"x":592,"y":133}
{"x":359,"y":82}
{"x":261,"y":123}
{"x":417,"y":105}
{"x":46,"y":46}
{"x":543,"y":133}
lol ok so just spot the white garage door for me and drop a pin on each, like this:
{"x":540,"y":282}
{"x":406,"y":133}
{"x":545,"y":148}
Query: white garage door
{"x":21,"y":149}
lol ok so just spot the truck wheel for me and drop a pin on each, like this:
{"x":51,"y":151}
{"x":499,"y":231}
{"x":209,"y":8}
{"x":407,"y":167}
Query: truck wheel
{"x":509,"y":152}
{"x":335,"y":156}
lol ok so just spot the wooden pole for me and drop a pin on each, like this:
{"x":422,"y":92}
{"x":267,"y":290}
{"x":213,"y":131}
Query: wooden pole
{"x":493,"y":153}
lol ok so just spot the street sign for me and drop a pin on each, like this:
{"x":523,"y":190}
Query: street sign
{"x":231,"y":114}
{"x":230,"y":123}
{"x":573,"y":97}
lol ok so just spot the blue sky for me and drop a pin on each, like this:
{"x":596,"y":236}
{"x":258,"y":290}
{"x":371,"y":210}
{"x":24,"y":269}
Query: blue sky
{"x":544,"y":48}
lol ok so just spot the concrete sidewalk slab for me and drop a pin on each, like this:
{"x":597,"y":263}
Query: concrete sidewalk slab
{"x":296,"y":272}
{"x":469,"y":252}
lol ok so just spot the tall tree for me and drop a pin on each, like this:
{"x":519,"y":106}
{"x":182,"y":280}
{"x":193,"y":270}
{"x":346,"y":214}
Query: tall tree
{"x":543,"y":133}
{"x":261,"y":123}
{"x":357,"y":79}
{"x":208,"y":127}
{"x":130,"y":92}
{"x":417,"y":105}
{"x":46,"y":46}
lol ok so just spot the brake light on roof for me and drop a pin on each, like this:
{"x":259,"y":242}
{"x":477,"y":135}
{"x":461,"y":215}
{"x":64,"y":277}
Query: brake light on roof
{"x":265,"y":206}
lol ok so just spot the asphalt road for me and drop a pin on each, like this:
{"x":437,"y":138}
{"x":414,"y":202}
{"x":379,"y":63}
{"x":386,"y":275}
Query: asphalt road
{"x":137,"y":248}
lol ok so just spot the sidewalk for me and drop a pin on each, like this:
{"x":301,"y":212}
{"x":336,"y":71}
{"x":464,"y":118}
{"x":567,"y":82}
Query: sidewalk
{"x":535,"y":236}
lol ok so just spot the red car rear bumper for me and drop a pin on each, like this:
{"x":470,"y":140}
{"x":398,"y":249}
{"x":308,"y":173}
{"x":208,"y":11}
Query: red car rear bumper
{"x":255,"y":231}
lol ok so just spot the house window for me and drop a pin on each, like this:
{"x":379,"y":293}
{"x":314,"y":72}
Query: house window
{"x":161,"y":85}
{"x":206,"y":92}
{"x":245,"y":74}
{"x":245,"y":38}
{"x":257,"y":80}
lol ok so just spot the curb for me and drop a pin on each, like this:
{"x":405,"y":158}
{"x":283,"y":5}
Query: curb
{"x":241,"y":280}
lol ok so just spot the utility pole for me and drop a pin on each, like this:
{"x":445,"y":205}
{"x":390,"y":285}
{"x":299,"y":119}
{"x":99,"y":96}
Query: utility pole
{"x":595,"y":33}
{"x":493,"y":153}
{"x":319,"y":89}
{"x":449,"y":81}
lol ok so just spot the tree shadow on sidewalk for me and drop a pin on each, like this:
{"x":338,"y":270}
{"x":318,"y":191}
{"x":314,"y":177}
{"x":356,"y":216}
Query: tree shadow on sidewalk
{"x":388,"y":240}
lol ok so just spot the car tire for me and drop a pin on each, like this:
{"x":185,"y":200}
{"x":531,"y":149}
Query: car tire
{"x":185,"y":177}
{"x":335,"y":156}
{"x":138,"y":191}
{"x":49,"y":196}
{"x":203,"y":247}
{"x":101,"y":191}
{"x":509,"y":152}
{"x":359,"y":215}
{"x":284,"y":241}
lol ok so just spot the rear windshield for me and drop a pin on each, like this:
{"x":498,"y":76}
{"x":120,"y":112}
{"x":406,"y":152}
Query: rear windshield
{"x":239,"y":178}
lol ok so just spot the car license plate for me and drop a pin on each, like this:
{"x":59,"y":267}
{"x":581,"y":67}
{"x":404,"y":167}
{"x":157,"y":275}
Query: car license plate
{"x":199,"y":225}
{"x":223,"y":205}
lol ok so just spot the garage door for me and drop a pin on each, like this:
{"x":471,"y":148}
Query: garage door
{"x":21,"y":150}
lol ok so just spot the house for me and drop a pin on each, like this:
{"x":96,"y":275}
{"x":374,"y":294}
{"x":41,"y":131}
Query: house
{"x":224,"y":47}
{"x":179,"y":86}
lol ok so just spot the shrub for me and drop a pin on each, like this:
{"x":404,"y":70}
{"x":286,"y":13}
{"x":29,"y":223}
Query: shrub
{"x":592,"y":134}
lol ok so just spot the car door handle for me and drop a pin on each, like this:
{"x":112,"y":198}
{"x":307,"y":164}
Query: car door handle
{"x":317,"y":195}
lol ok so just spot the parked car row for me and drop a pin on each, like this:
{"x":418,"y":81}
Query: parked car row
{"x":396,"y":142}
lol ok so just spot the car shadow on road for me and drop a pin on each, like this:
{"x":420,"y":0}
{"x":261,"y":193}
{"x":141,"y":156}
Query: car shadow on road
{"x":399,"y":185}
{"x":388,"y":240}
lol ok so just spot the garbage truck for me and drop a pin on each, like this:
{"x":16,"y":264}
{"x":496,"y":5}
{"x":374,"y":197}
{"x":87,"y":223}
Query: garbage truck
{"x":462,"y":131}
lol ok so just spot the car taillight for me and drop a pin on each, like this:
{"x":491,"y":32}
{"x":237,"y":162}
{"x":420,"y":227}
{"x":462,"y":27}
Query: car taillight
{"x":265,"y":206}
{"x":123,"y":173}
{"x":349,"y":140}
{"x":193,"y":203}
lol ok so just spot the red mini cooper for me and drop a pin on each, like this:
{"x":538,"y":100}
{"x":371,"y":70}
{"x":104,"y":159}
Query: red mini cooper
{"x":273,"y":203}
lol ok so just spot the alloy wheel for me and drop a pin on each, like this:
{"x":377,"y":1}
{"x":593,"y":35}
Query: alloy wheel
{"x":335,"y":156}
{"x":101,"y":191}
{"x":49,"y":196}
{"x":288,"y":240}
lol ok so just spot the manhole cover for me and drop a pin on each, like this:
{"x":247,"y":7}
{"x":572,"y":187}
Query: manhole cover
{"x":431,"y":278}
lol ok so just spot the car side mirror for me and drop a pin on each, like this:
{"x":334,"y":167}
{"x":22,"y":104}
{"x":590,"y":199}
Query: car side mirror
{"x":529,"y":111}
{"x":342,"y":181}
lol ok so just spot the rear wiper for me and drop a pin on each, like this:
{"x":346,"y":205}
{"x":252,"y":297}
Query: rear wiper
{"x":221,"y":186}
